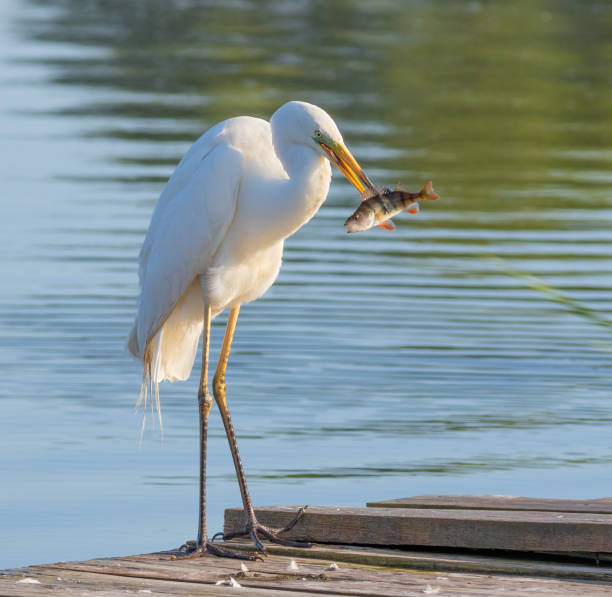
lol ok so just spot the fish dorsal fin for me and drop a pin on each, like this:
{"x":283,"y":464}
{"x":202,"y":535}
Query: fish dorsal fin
{"x":387,"y":225}
{"x":370,"y":192}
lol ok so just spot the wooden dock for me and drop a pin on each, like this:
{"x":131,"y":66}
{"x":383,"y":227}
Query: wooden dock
{"x":464,"y":522}
{"x":428,"y":545}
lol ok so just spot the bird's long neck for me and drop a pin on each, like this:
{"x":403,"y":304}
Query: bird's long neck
{"x":295,"y":199}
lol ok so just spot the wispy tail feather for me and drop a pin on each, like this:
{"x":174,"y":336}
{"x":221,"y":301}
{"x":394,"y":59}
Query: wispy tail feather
{"x":170,"y":353}
{"x":149,"y":389}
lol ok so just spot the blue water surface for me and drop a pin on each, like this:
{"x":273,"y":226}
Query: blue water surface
{"x":381,"y":364}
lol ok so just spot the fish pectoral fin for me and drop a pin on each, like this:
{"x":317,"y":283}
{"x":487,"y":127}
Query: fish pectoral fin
{"x":413,"y":209}
{"x":387,"y":225}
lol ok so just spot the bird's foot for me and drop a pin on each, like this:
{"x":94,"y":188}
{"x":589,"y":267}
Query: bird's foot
{"x":192,"y":550}
{"x":254,"y":529}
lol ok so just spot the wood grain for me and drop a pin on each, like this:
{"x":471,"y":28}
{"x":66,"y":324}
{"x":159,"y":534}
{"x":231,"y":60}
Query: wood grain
{"x":445,"y":528}
{"x":156,"y":575}
{"x":497,"y":502}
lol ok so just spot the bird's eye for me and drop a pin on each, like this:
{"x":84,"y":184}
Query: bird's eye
{"x":318,"y":134}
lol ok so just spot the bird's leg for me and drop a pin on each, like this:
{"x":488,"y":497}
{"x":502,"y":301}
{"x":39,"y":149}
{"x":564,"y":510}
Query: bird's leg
{"x":252,"y":527}
{"x":203,"y":545}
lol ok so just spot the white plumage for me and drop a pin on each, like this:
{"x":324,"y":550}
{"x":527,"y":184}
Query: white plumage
{"x":215,"y":241}
{"x":218,"y":227}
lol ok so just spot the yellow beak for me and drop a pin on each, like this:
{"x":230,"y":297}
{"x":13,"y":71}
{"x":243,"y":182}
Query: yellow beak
{"x":341,"y":157}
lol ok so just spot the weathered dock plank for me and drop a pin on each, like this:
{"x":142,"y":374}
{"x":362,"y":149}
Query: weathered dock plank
{"x":365,"y":570}
{"x":497,"y":502}
{"x":521,"y":564}
{"x":441,"y":528}
{"x":157,"y":575}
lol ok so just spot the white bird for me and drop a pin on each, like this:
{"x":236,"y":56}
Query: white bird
{"x":215,"y":241}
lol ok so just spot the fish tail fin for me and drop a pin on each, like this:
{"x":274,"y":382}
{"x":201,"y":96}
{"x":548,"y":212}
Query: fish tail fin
{"x":427,"y":192}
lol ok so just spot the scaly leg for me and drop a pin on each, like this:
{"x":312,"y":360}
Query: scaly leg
{"x":203,"y":545}
{"x":252,"y":527}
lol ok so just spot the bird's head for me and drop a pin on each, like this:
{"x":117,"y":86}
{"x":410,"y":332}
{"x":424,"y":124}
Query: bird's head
{"x":307,"y":124}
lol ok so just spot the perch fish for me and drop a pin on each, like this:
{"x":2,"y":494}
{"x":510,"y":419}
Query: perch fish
{"x":378,"y":207}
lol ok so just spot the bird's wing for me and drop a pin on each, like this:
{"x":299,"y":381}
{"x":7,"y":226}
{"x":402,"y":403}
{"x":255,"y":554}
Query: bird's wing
{"x":193,"y":215}
{"x":181,"y":177}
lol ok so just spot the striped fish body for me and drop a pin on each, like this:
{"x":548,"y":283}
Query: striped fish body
{"x":378,"y":207}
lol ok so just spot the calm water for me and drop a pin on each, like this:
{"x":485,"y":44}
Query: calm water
{"x":381,"y":364}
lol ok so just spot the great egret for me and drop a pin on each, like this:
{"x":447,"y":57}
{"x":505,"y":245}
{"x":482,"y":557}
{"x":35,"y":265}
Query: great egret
{"x":215,"y":241}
